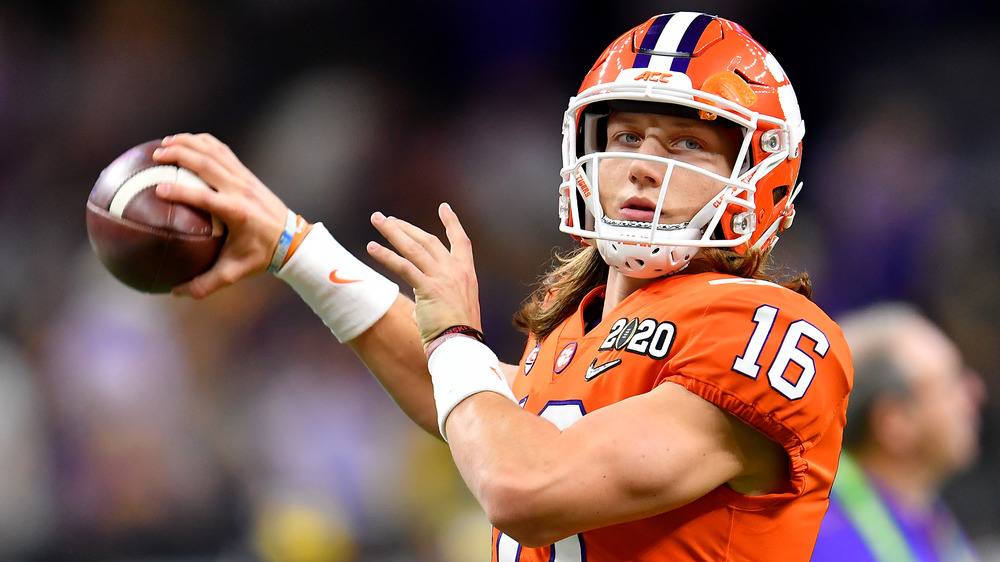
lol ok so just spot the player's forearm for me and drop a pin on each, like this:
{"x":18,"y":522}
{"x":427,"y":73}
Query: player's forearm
{"x":504,"y":453}
{"x":509,"y":460}
{"x":393,"y":352}
{"x":364,"y":309}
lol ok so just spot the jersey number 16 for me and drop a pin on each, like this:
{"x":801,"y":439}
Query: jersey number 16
{"x":777,"y":375}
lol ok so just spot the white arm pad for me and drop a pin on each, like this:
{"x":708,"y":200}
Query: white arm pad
{"x":461,"y":367}
{"x":344,"y":292}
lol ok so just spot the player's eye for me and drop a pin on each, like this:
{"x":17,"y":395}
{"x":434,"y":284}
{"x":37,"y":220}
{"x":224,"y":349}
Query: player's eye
{"x":626,"y":137}
{"x":689,"y":144}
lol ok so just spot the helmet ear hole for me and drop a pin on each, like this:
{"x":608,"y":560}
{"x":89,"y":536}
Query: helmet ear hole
{"x":719,"y":233}
{"x":778,"y":193}
{"x":592,"y":133}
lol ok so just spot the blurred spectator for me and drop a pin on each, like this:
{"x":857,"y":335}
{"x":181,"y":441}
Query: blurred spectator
{"x":913,"y":422}
{"x":333,"y":470}
{"x":27,"y":513}
{"x":132,"y":472}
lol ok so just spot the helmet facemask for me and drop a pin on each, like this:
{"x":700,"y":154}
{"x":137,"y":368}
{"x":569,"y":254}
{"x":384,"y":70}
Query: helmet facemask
{"x":644,"y":249}
{"x":653,"y":249}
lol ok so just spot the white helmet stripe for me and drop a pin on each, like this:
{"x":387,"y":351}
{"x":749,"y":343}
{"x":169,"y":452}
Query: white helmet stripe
{"x":680,"y":34}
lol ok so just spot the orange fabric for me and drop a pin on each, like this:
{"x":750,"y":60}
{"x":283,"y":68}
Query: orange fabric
{"x":690,"y":330}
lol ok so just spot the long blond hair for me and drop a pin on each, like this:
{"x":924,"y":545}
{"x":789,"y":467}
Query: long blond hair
{"x":559,"y":292}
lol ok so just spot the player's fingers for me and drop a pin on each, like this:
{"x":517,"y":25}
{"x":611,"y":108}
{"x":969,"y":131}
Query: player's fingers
{"x":256,"y":229}
{"x":210,"y":146}
{"x":193,"y":195}
{"x":215,"y":163}
{"x":397,"y":264}
{"x":429,"y":242}
{"x":230,"y":268}
{"x":412,"y":243}
{"x":458,"y":239}
{"x":185,"y":290}
{"x":207,"y":166}
{"x":201,"y":286}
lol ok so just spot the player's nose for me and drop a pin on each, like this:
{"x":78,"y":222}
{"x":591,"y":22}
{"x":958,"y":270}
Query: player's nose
{"x":647,"y":173}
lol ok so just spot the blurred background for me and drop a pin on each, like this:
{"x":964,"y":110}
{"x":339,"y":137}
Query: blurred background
{"x":137,"y":427}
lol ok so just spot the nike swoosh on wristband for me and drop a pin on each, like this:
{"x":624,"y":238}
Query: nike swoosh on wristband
{"x":593,"y":370}
{"x":340,"y":280}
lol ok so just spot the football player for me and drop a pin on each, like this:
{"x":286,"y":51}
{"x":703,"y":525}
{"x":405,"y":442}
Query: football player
{"x":673,"y":402}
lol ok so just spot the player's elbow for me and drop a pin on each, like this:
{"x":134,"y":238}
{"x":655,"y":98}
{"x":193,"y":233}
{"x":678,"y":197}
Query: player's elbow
{"x":529,"y":531}
{"x":531,"y":536}
{"x":520,"y":510}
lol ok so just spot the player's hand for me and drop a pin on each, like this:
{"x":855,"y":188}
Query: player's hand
{"x":253,"y":215}
{"x":444,"y":281}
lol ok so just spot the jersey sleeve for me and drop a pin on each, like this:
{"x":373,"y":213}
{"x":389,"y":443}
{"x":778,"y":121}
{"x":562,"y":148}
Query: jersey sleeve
{"x":769,"y":357}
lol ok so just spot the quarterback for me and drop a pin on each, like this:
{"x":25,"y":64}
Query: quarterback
{"x":673,"y":402}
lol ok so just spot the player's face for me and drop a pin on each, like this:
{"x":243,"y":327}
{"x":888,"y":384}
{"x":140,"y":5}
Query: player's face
{"x":630,"y":188}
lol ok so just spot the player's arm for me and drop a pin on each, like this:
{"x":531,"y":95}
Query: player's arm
{"x":377,"y":322}
{"x":633,"y":459}
{"x":645,"y":455}
{"x":393,"y":351}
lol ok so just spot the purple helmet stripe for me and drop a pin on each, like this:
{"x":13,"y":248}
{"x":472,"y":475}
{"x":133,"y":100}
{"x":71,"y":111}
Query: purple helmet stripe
{"x":689,"y":41}
{"x":649,"y":41}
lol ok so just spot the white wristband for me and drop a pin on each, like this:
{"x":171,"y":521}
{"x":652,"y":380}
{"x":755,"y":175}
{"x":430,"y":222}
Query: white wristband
{"x":345,"y":293}
{"x":461,"y":367}
{"x":284,"y":243}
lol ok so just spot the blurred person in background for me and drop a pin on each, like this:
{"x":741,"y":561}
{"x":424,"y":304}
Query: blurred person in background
{"x":913,"y":422}
{"x":27,"y":506}
{"x":131,"y":472}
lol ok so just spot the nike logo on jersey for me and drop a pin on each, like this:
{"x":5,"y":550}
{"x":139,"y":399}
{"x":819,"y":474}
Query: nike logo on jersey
{"x":340,"y":280}
{"x":594,"y":370}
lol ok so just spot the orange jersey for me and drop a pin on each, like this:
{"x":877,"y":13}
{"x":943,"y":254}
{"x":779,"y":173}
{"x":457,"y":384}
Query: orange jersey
{"x":761,"y":352}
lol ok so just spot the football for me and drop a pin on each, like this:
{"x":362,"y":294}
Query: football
{"x":147,"y":243}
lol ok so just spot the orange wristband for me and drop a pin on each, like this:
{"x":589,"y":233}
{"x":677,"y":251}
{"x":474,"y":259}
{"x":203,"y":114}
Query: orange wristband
{"x":302,"y":228}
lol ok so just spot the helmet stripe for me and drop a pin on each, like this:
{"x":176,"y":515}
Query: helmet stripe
{"x":689,"y":41}
{"x":650,"y":40}
{"x":670,"y":34}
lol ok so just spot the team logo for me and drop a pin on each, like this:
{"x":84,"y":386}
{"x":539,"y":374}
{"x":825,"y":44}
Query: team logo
{"x":529,"y":361}
{"x":564,"y":357}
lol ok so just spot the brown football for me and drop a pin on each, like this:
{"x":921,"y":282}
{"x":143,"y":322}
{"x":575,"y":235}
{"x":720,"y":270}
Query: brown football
{"x":147,"y":243}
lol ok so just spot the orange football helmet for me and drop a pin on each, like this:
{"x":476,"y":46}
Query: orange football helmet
{"x":712,"y":69}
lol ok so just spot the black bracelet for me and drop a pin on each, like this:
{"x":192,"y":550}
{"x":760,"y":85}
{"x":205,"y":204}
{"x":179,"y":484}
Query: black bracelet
{"x":463,"y":329}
